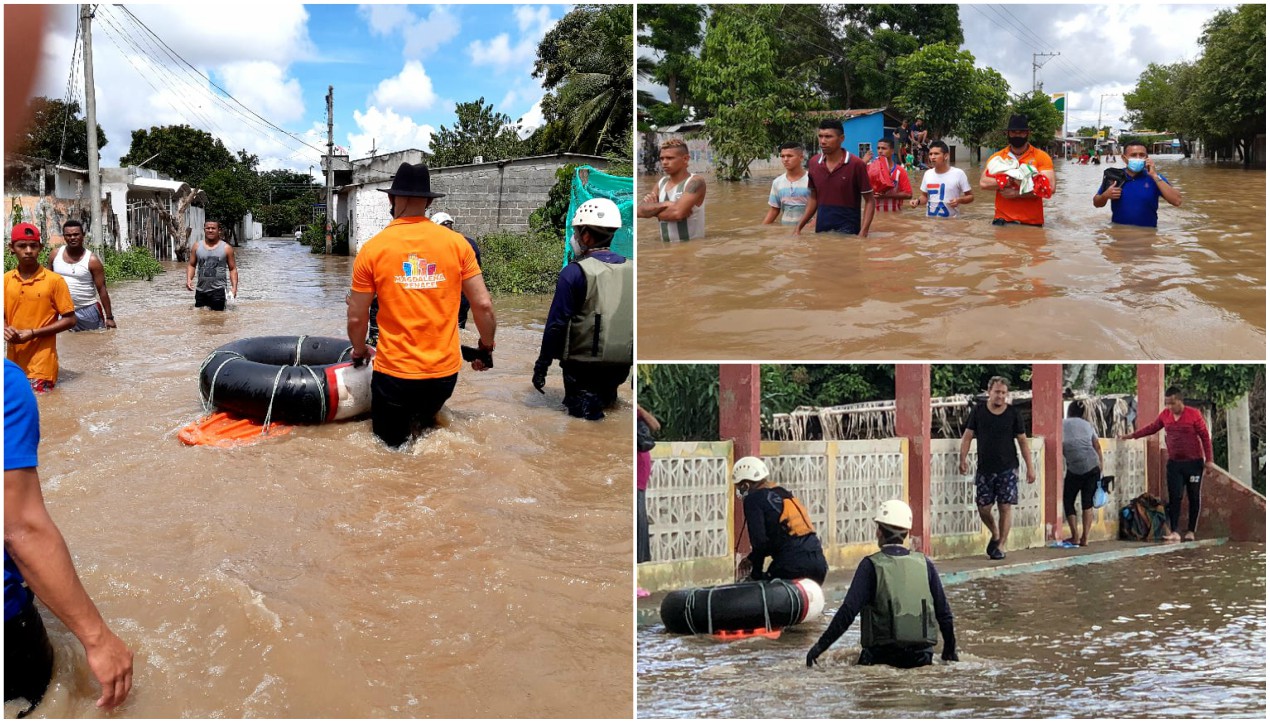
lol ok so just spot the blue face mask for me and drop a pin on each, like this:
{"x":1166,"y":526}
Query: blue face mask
{"x":1137,"y":164}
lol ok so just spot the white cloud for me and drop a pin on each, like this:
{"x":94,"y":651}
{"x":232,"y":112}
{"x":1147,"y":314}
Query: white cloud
{"x":409,"y":90}
{"x":423,"y":35}
{"x":385,"y":19}
{"x":387,"y":131}
{"x":138,"y":90}
{"x":532,"y":120}
{"x":499,"y":51}
{"x":264,"y":87}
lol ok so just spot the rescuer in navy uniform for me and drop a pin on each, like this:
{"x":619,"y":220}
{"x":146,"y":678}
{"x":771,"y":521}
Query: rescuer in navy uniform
{"x":779,"y":528}
{"x":900,"y":599}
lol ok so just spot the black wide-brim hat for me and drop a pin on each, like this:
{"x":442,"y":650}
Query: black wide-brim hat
{"x":1018,"y":123}
{"x":412,"y":180}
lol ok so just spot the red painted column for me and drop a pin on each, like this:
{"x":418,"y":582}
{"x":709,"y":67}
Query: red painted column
{"x":1047,"y":422}
{"x":1150,"y":404}
{"x":739,"y":417}
{"x":912,"y":421}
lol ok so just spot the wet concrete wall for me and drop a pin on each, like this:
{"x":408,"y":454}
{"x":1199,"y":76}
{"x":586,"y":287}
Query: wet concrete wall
{"x":1228,"y":508}
{"x":482,"y":197}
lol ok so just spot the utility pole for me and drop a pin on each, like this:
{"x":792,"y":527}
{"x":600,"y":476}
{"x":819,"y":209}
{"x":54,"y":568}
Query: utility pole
{"x":330,"y":165}
{"x":90,"y":113}
{"x":1101,"y":98}
{"x":1037,"y":66}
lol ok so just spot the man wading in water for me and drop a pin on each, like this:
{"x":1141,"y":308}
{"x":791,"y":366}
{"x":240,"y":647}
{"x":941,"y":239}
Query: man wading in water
{"x":86,"y":278}
{"x":212,"y":260}
{"x":997,"y":426}
{"x":901,"y":598}
{"x":418,"y":270}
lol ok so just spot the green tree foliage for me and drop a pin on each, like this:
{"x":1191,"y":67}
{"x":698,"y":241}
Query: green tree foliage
{"x":683,"y":397}
{"x":756,"y":103}
{"x":1222,"y":384}
{"x":521,"y":263}
{"x":985,"y":110}
{"x":182,"y":152}
{"x":1233,"y":99}
{"x":55,"y":132}
{"x":1184,"y":98}
{"x":936,"y":85}
{"x":862,"y":43}
{"x":232,"y":192}
{"x":479,"y":132}
{"x":1043,"y":118}
{"x":550,"y":218}
{"x":674,"y":32}
{"x":584,"y":62}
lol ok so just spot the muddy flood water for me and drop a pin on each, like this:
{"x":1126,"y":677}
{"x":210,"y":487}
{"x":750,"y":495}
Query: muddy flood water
{"x":486,"y":572}
{"x":1174,"y":635}
{"x":1078,"y":288}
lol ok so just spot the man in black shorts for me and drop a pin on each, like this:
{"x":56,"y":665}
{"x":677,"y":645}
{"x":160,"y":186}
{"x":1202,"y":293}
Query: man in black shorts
{"x":996,"y":425}
{"x":214,"y":262}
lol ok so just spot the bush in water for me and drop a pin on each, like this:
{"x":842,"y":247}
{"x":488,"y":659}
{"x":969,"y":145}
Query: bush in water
{"x":521,"y":263}
{"x":135,"y":263}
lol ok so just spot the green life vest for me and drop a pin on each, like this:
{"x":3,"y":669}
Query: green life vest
{"x":603,"y":330}
{"x":902,"y":612}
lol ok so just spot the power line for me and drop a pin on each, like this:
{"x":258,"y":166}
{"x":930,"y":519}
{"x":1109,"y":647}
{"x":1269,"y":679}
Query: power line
{"x":115,"y":34}
{"x":70,"y":91}
{"x":213,"y":83}
{"x":1041,"y":42}
{"x":200,"y":88}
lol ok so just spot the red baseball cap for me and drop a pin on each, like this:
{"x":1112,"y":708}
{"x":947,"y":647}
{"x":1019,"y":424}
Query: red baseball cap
{"x":24,"y":232}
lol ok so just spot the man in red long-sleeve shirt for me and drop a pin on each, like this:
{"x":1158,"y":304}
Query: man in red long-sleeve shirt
{"x":1190,"y":452}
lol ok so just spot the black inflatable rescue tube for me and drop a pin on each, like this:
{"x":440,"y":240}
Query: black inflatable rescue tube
{"x":243,"y":376}
{"x":708,"y":610}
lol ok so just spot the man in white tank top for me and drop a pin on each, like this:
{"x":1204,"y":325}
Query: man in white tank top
{"x":679,"y":205}
{"x":86,"y":279}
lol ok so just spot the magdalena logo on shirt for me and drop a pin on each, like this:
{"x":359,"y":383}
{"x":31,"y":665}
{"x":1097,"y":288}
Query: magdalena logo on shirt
{"x":419,"y":274}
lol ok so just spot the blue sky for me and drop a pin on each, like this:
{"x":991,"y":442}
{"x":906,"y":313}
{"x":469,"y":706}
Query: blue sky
{"x":398,"y":71}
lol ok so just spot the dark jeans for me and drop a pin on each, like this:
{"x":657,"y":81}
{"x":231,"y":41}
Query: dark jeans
{"x":28,"y":658}
{"x":1080,"y":484}
{"x":798,"y":565}
{"x":398,"y":406}
{"x":591,"y":387}
{"x":643,"y":549}
{"x":1180,"y":475}
{"x":214,"y":300}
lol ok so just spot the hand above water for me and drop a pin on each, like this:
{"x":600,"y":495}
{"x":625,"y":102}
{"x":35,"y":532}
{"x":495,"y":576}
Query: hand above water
{"x":111,"y":663}
{"x":813,"y":654}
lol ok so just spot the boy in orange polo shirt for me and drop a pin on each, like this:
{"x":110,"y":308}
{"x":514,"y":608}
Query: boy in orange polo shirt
{"x":1012,"y":206}
{"x":37,"y":306}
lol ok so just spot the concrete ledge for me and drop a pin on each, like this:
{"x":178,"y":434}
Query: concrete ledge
{"x":964,"y":569}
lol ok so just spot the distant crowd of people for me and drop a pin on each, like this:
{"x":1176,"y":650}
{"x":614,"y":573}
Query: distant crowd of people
{"x":844,"y":193}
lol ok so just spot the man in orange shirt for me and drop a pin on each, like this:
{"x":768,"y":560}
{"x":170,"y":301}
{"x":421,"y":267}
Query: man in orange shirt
{"x":419,"y":270}
{"x":1012,"y":206}
{"x":37,"y":306}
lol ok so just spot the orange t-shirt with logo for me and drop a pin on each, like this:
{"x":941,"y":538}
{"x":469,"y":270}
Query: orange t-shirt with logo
{"x":1028,"y":209}
{"x":417,"y":269}
{"x":30,"y":304}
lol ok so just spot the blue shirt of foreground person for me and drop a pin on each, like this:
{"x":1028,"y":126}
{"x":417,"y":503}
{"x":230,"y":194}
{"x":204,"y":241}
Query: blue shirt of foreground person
{"x":899,"y":593}
{"x":1135,"y":192}
{"x":36,"y":560}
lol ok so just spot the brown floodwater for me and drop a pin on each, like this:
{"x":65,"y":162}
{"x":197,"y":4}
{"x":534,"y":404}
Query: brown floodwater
{"x":486,"y":572}
{"x":1178,"y":635}
{"x":1078,"y":288}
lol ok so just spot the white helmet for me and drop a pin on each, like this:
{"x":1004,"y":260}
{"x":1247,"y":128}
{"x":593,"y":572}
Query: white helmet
{"x":749,"y":468}
{"x":598,"y":212}
{"x":441,"y":217}
{"x":894,"y":513}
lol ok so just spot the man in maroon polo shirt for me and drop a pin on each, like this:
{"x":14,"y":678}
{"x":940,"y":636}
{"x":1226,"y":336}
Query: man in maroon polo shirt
{"x":839,"y":185}
{"x":1190,"y":452}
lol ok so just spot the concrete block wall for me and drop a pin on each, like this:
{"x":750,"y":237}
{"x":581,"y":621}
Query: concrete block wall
{"x":482,"y":198}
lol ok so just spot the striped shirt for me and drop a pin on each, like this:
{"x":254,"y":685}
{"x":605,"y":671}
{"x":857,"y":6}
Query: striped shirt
{"x":693,"y":227}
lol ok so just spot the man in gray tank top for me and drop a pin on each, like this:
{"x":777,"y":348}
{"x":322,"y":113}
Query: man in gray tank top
{"x":212,"y":261}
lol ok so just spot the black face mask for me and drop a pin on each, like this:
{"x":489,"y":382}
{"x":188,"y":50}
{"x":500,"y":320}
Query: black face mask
{"x":1018,"y":144}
